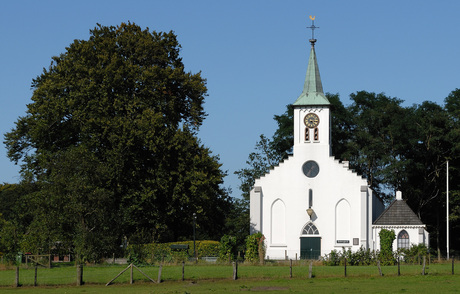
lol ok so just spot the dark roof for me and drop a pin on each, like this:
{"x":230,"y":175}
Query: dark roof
{"x":398,"y":213}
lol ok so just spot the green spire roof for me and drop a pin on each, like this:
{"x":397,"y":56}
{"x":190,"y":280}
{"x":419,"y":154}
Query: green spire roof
{"x":313,"y":89}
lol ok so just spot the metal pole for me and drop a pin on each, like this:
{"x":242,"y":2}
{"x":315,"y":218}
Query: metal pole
{"x":194,"y":225}
{"x":447,"y":206}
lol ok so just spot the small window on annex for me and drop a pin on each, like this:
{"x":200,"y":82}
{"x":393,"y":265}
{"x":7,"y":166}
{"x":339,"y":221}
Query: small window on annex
{"x":403,"y":239}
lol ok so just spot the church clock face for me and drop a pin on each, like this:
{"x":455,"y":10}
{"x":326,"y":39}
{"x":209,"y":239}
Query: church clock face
{"x":310,"y":169}
{"x":311,"y":120}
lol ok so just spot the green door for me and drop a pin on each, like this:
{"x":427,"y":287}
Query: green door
{"x":310,"y":247}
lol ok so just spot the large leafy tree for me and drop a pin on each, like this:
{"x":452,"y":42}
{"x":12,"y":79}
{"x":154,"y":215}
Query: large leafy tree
{"x":425,"y":182}
{"x":378,"y":134}
{"x":110,"y":139}
{"x":452,"y":107}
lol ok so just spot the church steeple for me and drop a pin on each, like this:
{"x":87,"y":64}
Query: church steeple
{"x":312,"y":93}
{"x":312,"y":121}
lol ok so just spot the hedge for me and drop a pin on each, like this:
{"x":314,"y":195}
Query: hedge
{"x":149,"y":253}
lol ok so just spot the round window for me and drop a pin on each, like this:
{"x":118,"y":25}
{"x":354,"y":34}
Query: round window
{"x":310,"y":168}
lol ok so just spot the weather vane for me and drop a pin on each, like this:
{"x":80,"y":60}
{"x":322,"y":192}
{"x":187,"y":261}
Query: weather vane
{"x":312,"y":27}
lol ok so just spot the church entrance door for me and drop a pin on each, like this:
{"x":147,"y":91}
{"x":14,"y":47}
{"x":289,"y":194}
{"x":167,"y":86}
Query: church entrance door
{"x":310,"y":247}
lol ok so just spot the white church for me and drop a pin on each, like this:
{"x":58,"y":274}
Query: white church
{"x":311,"y":203}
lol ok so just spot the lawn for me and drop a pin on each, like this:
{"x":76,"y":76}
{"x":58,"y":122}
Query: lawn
{"x":218,"y":279}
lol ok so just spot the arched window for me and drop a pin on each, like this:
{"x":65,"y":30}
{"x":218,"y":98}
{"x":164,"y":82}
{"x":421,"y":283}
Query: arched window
{"x":316,"y":134}
{"x":403,"y":239}
{"x":310,"y":229}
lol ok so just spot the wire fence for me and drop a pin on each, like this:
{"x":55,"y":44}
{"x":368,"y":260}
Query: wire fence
{"x":32,"y":275}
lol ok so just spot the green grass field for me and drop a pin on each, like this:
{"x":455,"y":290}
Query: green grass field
{"x":218,"y":279}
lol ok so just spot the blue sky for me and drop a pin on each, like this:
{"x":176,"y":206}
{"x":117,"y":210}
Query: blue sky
{"x":253,"y":54}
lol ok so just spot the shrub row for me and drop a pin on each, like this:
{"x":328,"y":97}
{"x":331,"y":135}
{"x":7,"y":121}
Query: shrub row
{"x":370,"y":257}
{"x":225,"y":250}
{"x":154,"y":252}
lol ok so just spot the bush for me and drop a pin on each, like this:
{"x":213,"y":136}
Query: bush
{"x":367,"y":257}
{"x":386,"y":256}
{"x":227,"y":248}
{"x":360,"y":257}
{"x":255,"y":247}
{"x":332,"y":259}
{"x":413,"y":254}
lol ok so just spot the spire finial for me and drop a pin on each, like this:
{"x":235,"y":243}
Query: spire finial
{"x":312,"y":27}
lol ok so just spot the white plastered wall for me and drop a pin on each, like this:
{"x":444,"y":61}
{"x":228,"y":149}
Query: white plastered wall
{"x":417,"y":235}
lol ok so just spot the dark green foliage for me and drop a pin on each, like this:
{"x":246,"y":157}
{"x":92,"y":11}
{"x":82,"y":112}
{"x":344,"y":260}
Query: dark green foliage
{"x":386,"y":255}
{"x":255,"y":247}
{"x":227,"y":248}
{"x":360,"y":257}
{"x":15,"y":216}
{"x":109,"y":141}
{"x":237,"y":222}
{"x":332,"y":259}
{"x":377,"y":135}
{"x":157,"y":252}
{"x":414,"y":254}
{"x":283,"y":138}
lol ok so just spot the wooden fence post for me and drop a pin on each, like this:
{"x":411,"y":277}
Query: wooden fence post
{"x":345,"y":266}
{"x":424,"y":264}
{"x":159,"y":273}
{"x":16,"y":282}
{"x":235,"y":270}
{"x":380,"y":269}
{"x":310,"y":270}
{"x":183,"y":270}
{"x":399,"y":269}
{"x":79,"y":275}
{"x":131,"y":279}
{"x":453,"y":264}
{"x":290,"y":270}
{"x":35,"y":277}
